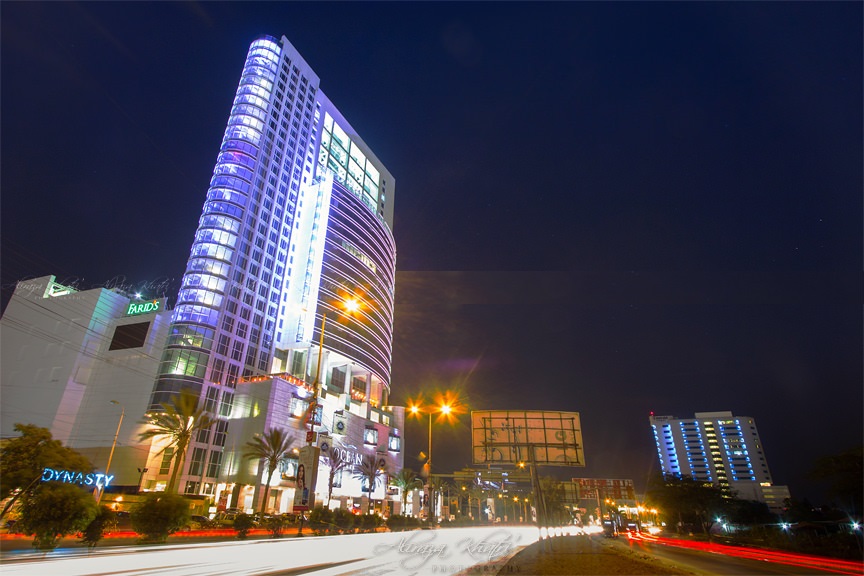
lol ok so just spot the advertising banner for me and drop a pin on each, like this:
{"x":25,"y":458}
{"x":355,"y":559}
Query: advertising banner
{"x":547,"y":438}
{"x":307,"y":476}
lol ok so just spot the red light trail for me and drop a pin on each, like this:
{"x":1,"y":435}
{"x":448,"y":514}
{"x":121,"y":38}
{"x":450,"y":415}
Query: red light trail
{"x":801,"y":560}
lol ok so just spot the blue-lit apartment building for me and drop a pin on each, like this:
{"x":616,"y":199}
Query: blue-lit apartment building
{"x":296,"y":226}
{"x":720,"y":448}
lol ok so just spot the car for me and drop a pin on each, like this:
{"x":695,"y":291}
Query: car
{"x":198,"y":522}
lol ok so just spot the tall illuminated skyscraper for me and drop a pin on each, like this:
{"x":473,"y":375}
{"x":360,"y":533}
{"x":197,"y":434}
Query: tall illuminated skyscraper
{"x":296,"y":227}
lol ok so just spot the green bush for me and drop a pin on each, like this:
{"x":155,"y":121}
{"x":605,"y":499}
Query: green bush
{"x":242,"y":524}
{"x":94,"y":531}
{"x":396,"y":523}
{"x":343,"y":519}
{"x":369,"y":522}
{"x":55,"y":510}
{"x":321,"y":520}
{"x":160,"y":515}
{"x":274,"y":525}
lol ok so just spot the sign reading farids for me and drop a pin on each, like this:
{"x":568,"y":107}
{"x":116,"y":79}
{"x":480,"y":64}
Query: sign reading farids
{"x":136,"y":308}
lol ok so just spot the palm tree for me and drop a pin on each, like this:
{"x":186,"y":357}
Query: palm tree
{"x":179,"y":421}
{"x":476,"y":491}
{"x":337,"y":463}
{"x":436,"y":486}
{"x":271,"y":448}
{"x":369,"y":471}
{"x":405,"y":480}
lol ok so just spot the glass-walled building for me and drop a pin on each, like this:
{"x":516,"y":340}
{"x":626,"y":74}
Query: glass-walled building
{"x":295,"y":237}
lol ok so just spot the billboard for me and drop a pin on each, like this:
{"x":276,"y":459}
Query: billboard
{"x":543,"y":437}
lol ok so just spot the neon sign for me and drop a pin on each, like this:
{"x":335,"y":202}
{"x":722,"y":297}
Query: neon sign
{"x":70,"y":477}
{"x":136,"y":308}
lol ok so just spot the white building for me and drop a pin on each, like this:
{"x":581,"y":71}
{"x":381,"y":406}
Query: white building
{"x":75,"y":362}
{"x":720,"y":448}
{"x":292,"y":271}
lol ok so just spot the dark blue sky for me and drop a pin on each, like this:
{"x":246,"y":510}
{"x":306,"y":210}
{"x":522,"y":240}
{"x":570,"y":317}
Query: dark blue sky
{"x":610,"y":208}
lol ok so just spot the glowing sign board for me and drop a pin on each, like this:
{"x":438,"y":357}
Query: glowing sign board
{"x":71,"y":477}
{"x":136,"y":308}
{"x":512,"y":436}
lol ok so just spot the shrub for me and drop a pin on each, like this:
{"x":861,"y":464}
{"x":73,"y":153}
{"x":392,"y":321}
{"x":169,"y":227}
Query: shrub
{"x":160,"y":515}
{"x":396,"y":523}
{"x":274,"y":525}
{"x":343,"y":519}
{"x":321,"y":520}
{"x":242,"y":524}
{"x":369,"y":522}
{"x":55,"y":510}
{"x":95,"y":530}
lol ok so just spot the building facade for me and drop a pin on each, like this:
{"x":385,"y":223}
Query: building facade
{"x":81,"y":363}
{"x":720,"y":448}
{"x":291,"y":273}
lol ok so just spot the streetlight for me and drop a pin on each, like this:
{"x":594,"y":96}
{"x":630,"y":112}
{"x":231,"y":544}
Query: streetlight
{"x":445,"y":409}
{"x":141,"y":472}
{"x":351,"y":305}
{"x":111,"y":454}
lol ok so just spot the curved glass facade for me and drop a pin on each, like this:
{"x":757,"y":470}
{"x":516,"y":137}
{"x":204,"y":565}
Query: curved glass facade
{"x":196,"y":317}
{"x":359,"y":263}
{"x":295,"y":219}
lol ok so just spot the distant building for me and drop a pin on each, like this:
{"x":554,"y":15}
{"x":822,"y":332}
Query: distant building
{"x":720,"y":448}
{"x":75,"y":361}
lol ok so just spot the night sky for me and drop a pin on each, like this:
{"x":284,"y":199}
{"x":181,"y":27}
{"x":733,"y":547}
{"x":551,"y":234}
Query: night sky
{"x":608,"y":208}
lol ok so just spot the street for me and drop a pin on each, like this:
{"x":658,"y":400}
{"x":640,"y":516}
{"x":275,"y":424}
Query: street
{"x":441,"y":552}
{"x":704,"y":558}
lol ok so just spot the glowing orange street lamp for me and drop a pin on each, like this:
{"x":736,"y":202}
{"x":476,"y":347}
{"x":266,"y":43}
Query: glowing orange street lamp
{"x":445,"y":408}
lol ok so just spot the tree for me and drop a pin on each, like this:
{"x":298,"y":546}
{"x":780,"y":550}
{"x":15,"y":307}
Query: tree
{"x":160,"y":515}
{"x":179,"y":421}
{"x":405,"y":480}
{"x":270,"y":448}
{"x":436,"y":486}
{"x":845,"y":474}
{"x":54,"y":510}
{"x":686,"y":499}
{"x":22,"y":460}
{"x":242,"y":524}
{"x":476,"y":491}
{"x":337,"y":463}
{"x":371,"y":473}
{"x":95,"y":530}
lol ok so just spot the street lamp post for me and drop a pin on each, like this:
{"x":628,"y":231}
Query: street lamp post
{"x":101,"y":490}
{"x":141,"y":472}
{"x":444,"y":409}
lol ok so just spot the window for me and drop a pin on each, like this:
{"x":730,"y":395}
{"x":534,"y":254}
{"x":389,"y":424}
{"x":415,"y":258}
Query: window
{"x":191,"y":487}
{"x":215,"y":464}
{"x":196,"y":466}
{"x":203,"y":435}
{"x":394,"y":443}
{"x":220,"y":433}
{"x":222,"y":348}
{"x":210,"y":400}
{"x":226,"y":404}
{"x":218,"y":370}
{"x":167,"y":456}
{"x":237,"y":352}
{"x":370,"y":437}
{"x":298,"y":407}
{"x":129,"y":336}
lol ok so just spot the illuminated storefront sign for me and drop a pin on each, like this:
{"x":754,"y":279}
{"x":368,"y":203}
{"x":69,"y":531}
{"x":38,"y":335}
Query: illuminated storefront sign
{"x":70,"y":477}
{"x":136,"y":308}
